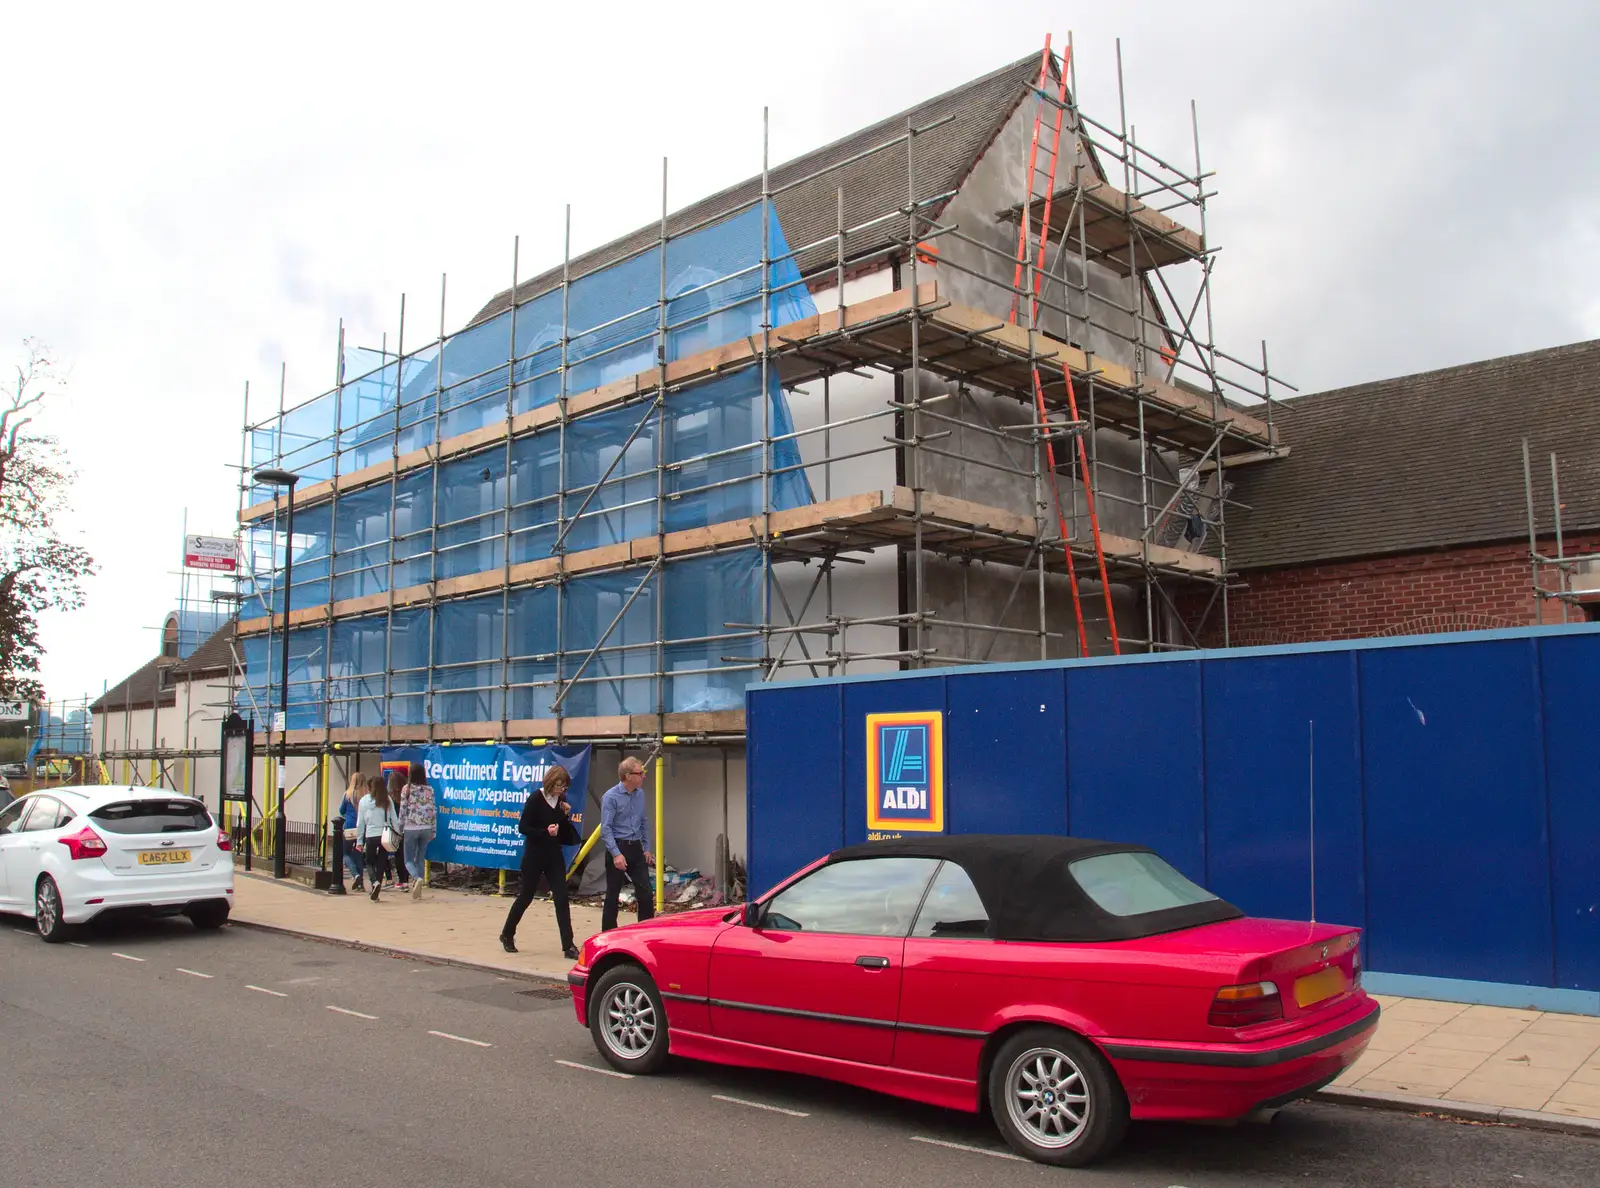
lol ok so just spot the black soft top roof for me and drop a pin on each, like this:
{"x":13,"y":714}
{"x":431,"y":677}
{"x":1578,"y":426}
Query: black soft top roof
{"x":1027,"y":886}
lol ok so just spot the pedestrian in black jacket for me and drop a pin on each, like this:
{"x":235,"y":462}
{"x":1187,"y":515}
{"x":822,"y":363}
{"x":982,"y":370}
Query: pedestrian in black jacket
{"x":547,"y":826}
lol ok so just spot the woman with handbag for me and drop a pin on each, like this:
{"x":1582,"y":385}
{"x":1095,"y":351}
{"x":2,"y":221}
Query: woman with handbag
{"x":419,"y":818}
{"x":394,"y":859}
{"x":378,"y":828}
{"x":546,"y":826}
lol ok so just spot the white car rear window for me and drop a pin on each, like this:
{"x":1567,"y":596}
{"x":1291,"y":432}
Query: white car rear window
{"x":152,"y":816}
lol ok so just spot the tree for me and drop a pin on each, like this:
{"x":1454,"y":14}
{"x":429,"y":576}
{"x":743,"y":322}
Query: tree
{"x":38,"y":570}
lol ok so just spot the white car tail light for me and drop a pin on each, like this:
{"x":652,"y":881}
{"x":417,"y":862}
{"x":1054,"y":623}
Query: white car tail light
{"x":85,"y":843}
{"x":224,"y":842}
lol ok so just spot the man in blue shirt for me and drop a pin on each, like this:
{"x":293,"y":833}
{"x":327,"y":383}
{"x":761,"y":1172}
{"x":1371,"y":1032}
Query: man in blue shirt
{"x":622,"y":833}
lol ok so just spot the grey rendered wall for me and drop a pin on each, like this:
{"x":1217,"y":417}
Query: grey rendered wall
{"x":977,"y":593}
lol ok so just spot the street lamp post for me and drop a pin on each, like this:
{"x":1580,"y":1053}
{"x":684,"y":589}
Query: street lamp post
{"x":280,"y":863}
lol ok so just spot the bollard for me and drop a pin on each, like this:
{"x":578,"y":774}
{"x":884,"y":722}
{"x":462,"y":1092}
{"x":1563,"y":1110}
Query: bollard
{"x":337,"y":887}
{"x":280,"y":857}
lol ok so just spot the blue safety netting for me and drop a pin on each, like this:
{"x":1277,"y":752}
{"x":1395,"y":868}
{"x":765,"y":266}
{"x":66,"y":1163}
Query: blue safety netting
{"x":611,"y":320}
{"x":63,"y":730}
{"x":196,"y":625}
{"x":463,"y":517}
{"x":498,"y":656}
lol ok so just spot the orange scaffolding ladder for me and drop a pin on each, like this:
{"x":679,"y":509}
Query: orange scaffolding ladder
{"x":1025,"y":250}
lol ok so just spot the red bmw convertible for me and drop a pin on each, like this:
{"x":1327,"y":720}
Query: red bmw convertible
{"x":1067,"y":984}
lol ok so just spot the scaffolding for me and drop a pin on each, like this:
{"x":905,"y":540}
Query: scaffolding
{"x":632,"y":601}
{"x":1571,"y":581}
{"x":60,"y":748}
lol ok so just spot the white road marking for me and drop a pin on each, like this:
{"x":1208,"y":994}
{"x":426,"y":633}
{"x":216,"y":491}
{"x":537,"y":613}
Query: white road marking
{"x":125,"y":957}
{"x":932,"y":1142}
{"x":264,"y":990}
{"x":604,"y":1072}
{"x":193,"y":973}
{"x":357,"y":1014}
{"x":759,"y":1105}
{"x":460,"y":1039}
{"x":77,"y":944}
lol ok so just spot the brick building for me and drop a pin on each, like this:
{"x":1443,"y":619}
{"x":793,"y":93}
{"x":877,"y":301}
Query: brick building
{"x":1401,"y":506}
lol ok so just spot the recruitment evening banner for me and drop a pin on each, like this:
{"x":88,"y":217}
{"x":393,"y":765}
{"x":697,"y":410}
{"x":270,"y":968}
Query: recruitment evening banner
{"x":480,"y":790}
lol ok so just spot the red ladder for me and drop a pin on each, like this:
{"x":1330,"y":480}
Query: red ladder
{"x":1025,"y":249}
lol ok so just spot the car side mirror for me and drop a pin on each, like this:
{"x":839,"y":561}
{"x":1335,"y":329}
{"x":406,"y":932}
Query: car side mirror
{"x":751,"y":915}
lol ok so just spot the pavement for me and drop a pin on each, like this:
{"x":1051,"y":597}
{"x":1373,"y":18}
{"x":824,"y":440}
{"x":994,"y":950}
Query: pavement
{"x":151,"y":1053}
{"x":455,"y":926}
{"x":1483,"y":1063}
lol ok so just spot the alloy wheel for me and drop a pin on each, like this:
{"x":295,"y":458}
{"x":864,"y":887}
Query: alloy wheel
{"x":1047,"y":1097}
{"x":628,"y":1020}
{"x":47,"y":908}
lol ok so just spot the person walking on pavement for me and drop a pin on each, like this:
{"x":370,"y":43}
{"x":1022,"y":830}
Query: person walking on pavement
{"x":622,"y":833}
{"x":418,"y":817}
{"x":352,"y":843}
{"x":374,"y":814}
{"x":547,"y":826}
{"x":394,"y":864}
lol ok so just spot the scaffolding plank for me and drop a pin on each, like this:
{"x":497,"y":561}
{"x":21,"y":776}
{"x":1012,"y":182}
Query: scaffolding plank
{"x":867,"y":520}
{"x":959,"y":343}
{"x":534,"y":730}
{"x":1158,"y":239}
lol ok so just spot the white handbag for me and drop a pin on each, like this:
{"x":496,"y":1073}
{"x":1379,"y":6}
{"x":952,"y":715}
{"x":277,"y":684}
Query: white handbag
{"x":390,"y":840}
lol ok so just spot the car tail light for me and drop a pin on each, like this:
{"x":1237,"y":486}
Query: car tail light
{"x":224,"y":842}
{"x":1241,"y":1006}
{"x":85,"y":843}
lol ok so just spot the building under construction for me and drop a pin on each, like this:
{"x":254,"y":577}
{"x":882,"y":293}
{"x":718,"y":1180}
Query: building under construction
{"x":945,"y":391}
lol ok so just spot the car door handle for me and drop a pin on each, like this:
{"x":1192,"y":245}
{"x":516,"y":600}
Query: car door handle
{"x":873,"y":962}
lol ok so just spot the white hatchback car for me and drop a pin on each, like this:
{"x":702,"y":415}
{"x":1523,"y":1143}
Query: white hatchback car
{"x":70,"y":854}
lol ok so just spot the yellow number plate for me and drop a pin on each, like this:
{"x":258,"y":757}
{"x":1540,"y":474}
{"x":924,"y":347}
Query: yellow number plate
{"x":1315,"y":987}
{"x":162,"y":857}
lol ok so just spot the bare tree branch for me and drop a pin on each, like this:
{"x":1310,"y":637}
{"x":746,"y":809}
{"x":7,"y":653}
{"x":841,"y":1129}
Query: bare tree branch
{"x":39,"y":571}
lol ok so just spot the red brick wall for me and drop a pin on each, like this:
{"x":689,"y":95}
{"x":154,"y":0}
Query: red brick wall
{"x":1463,"y":589}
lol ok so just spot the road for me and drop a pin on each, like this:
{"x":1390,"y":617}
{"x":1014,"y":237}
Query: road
{"x":151,"y":1054}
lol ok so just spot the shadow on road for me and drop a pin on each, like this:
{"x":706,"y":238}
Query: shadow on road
{"x":129,"y":930}
{"x":1308,"y":1143}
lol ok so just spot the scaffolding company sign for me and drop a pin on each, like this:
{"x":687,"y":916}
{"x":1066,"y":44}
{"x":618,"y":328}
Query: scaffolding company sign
{"x":210,"y":552}
{"x":479,"y":791}
{"x":14,"y":711}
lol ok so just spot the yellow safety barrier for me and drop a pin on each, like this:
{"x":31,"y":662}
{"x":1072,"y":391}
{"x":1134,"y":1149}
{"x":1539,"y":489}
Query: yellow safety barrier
{"x":583,"y":851}
{"x":322,"y":812}
{"x":661,"y":865}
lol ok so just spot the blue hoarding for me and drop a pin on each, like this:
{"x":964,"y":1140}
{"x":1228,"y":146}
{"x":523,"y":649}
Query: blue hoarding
{"x":1436,"y":791}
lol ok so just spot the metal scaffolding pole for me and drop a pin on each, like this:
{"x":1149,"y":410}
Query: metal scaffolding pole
{"x":1114,"y":303}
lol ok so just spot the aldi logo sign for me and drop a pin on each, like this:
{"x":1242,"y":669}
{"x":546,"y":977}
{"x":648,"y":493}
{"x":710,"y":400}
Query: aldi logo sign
{"x":905,"y":772}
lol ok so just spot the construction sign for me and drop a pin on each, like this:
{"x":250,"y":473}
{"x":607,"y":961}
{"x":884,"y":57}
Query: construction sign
{"x":210,"y":552}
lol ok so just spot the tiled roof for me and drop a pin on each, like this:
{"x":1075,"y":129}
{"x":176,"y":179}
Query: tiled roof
{"x":213,"y":656}
{"x":873,"y":186}
{"x":135,"y":691}
{"x":1425,"y":461}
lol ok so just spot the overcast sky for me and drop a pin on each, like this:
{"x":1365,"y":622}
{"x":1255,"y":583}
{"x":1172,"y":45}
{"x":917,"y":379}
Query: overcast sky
{"x":193,"y":194}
